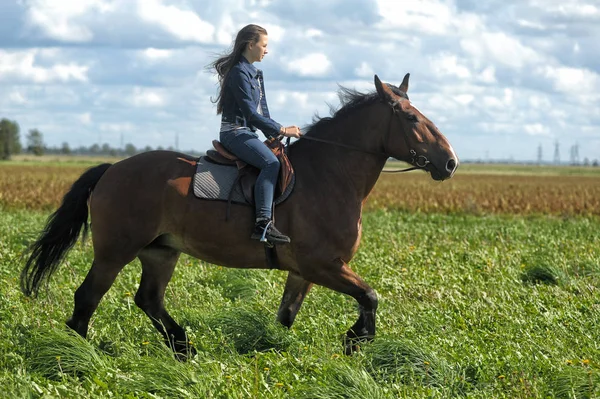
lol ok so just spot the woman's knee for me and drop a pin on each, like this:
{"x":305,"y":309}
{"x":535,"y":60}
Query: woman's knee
{"x":273,"y":162}
{"x":272,"y":165}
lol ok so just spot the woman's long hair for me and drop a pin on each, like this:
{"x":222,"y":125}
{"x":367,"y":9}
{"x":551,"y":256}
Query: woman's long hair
{"x":248,"y":34}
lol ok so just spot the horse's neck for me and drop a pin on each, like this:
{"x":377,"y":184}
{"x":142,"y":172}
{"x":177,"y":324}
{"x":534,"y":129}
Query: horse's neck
{"x":354,"y":172}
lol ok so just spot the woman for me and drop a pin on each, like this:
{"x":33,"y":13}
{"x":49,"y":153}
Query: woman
{"x":243,"y":108}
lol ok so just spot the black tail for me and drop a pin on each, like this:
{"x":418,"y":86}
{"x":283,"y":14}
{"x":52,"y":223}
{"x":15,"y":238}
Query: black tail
{"x":61,"y":231}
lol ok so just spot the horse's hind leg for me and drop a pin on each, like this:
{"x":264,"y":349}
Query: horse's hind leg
{"x":87,"y":297}
{"x":294,"y":293}
{"x":158,"y":263}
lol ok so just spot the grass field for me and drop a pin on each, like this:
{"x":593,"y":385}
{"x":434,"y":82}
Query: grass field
{"x":477,"y":300}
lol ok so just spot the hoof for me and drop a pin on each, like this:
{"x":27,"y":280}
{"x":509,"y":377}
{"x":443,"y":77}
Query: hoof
{"x":183,"y":350}
{"x":79,"y":328}
{"x":185,"y":356}
{"x":350,"y":347}
{"x":352,"y":344}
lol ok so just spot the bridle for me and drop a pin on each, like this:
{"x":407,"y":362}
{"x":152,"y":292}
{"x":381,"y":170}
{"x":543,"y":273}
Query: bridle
{"x":419,"y":161}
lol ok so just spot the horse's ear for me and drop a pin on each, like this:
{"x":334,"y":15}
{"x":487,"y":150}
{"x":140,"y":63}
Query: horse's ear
{"x":404,"y":85}
{"x":383,"y":90}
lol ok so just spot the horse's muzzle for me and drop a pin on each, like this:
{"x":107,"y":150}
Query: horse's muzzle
{"x":443,"y":173}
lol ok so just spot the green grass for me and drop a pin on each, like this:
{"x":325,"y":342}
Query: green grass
{"x":470,"y":306}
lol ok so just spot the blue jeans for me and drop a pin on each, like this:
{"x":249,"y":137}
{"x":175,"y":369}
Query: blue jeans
{"x":246,"y":145}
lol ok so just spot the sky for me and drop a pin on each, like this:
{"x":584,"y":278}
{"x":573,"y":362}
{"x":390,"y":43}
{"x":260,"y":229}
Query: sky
{"x":501,"y":79}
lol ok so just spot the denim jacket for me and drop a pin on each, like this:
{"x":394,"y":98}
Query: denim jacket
{"x":242,"y":98}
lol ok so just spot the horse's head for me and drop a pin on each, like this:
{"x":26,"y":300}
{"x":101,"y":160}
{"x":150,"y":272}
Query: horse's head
{"x":412,"y":137}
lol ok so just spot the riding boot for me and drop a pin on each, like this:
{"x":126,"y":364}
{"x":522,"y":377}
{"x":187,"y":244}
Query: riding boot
{"x":265,"y":231}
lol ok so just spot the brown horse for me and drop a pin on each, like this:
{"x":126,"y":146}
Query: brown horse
{"x":143,"y":207}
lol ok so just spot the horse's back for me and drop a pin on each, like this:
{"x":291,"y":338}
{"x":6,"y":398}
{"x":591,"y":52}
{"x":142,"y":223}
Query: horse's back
{"x":142,"y":193}
{"x":151,"y":168}
{"x":152,"y":162}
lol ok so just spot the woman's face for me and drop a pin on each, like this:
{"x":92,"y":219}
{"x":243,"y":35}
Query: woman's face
{"x":259,"y":49}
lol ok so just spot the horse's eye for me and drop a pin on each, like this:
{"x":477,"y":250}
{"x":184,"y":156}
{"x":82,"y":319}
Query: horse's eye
{"x":412,"y":118}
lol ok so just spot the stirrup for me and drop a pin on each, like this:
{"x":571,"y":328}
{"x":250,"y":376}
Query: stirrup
{"x":263,"y":238}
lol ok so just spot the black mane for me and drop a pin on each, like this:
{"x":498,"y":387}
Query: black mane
{"x":351,"y":100}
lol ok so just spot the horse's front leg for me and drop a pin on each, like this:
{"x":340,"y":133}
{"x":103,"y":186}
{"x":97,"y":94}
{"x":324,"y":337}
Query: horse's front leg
{"x":338,"y":276}
{"x":364,"y":328}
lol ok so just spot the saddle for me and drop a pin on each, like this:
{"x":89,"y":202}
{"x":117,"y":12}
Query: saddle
{"x":247,"y":173}
{"x":221,"y":156}
{"x":246,"y":178}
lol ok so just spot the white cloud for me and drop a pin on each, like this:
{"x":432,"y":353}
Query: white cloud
{"x":536,"y":129}
{"x":539,"y":102}
{"x":464,"y":99}
{"x":21,"y":66}
{"x":226,"y":30}
{"x":577,"y":10}
{"x":312,"y":33}
{"x":275,"y":32}
{"x":298,"y":99}
{"x":427,"y":16}
{"x":147,"y":98}
{"x":156,"y":54}
{"x":16,"y":97}
{"x":305,"y":104}
{"x":59,"y":19}
{"x":85,"y":118}
{"x":497,"y":102}
{"x":448,"y":65}
{"x":182,"y":24}
{"x":573,"y":80}
{"x":499,"y":47}
{"x":488,"y":75}
{"x":315,"y":64}
{"x":531,"y":24}
{"x":117,"y":127}
{"x":496,"y":127}
{"x":364,"y":70}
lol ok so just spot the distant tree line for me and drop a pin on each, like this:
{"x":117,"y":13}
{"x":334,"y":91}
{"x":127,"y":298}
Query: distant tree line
{"x":101,"y":150}
{"x":10,"y":144}
{"x":10,"y":140}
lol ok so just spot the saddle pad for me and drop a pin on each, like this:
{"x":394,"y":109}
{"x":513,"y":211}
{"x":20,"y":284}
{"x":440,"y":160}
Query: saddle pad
{"x":213,"y":181}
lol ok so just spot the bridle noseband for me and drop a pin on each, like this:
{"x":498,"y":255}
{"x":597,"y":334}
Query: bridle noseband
{"x":419,"y":161}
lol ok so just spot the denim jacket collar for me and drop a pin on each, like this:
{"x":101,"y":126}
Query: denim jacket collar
{"x":251,"y":69}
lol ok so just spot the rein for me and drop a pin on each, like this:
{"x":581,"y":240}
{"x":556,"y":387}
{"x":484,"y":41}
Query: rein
{"x":419,"y":161}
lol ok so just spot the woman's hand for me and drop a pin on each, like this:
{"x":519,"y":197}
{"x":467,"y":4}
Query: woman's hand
{"x":291,"y":131}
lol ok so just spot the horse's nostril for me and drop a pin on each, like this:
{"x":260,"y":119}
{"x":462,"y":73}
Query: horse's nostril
{"x":451,"y":165}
